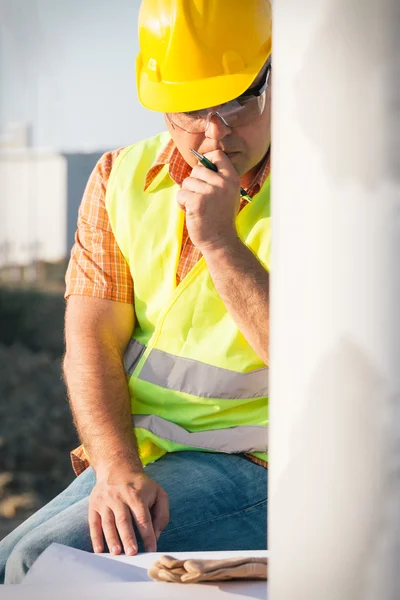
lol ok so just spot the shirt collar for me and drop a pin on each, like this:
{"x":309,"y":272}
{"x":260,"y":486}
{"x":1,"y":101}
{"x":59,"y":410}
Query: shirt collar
{"x":179,"y":168}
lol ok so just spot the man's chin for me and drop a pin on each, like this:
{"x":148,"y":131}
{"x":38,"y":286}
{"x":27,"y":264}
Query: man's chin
{"x":237,"y":159}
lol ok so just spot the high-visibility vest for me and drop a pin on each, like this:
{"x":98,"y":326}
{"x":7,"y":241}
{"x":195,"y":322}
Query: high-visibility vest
{"x":194,"y":381}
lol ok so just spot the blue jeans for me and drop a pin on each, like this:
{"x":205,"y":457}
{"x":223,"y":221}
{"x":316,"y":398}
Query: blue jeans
{"x":217,"y":502}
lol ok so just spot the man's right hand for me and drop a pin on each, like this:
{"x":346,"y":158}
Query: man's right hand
{"x":120,"y":497}
{"x":97,"y":334}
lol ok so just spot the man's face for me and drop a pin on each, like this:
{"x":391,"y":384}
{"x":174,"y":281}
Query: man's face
{"x":245,"y":145}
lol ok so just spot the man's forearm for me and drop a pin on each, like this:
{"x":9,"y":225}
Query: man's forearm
{"x":243,"y":284}
{"x":100,"y":404}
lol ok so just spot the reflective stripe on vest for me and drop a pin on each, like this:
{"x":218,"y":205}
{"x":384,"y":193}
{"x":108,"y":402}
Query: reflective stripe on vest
{"x":232,"y":440}
{"x":195,"y":377}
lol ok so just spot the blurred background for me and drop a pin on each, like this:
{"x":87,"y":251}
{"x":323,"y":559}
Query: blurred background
{"x":67,"y":94}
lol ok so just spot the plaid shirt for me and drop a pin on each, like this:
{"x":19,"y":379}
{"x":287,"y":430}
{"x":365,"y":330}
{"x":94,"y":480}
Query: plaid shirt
{"x":97,"y":267}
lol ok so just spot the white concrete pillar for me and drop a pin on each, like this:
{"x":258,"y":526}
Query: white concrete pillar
{"x":334,"y":508}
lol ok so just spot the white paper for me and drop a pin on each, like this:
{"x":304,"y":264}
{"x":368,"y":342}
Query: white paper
{"x":64,"y":573}
{"x":137,"y":591}
{"x":63,"y":565}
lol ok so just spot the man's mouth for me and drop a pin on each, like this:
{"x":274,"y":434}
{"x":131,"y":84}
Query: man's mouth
{"x":227,"y":152}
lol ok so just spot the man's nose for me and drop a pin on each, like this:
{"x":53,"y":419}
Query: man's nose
{"x":217,"y":129}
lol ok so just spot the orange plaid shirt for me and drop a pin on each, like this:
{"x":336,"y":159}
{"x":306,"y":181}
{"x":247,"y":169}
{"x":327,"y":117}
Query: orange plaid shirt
{"x":97,"y":267}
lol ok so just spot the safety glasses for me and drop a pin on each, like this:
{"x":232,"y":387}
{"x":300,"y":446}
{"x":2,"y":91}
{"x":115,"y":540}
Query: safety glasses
{"x":235,"y":113}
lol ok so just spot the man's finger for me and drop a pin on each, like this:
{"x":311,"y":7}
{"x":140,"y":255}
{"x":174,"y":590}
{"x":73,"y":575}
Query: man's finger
{"x":160,"y":512}
{"x":200,"y":172}
{"x":142,"y":517}
{"x":123,"y":522}
{"x":222,"y":162}
{"x":188,"y":201}
{"x":96,"y":532}
{"x":110,"y":531}
{"x":199,"y":186}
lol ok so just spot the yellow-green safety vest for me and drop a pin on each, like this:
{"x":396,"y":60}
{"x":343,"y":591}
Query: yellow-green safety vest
{"x":194,"y":381}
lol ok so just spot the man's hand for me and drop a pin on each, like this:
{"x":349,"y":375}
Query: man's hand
{"x":211,"y":202}
{"x":119,"y":496}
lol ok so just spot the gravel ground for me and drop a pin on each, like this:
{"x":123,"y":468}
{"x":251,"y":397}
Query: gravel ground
{"x":36,"y":429}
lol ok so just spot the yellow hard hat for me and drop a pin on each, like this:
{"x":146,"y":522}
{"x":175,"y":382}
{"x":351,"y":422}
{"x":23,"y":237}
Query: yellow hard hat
{"x":200,"y":53}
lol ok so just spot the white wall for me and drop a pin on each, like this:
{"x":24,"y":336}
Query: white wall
{"x":33,"y":207}
{"x":68,"y":67}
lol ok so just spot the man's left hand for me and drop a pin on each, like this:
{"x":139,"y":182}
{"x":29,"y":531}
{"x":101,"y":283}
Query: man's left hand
{"x":211,"y":201}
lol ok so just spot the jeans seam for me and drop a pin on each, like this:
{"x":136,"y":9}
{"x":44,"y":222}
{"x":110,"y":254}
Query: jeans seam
{"x":220,"y":517}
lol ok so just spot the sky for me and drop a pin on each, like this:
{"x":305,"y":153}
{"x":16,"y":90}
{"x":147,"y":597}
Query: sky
{"x":67,"y":68}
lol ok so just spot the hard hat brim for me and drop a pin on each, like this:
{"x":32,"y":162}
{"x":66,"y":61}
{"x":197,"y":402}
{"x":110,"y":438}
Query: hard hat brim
{"x":167,"y":97}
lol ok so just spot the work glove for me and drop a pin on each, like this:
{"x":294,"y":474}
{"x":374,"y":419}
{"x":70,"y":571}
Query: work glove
{"x":168,"y":568}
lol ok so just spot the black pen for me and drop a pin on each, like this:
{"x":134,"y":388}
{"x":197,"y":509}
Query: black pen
{"x":210,"y":165}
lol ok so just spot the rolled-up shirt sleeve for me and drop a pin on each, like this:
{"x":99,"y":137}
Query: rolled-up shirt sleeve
{"x":96,"y":266}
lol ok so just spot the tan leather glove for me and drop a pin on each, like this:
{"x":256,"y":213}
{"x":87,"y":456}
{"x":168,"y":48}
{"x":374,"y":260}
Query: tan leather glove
{"x":170,"y":569}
